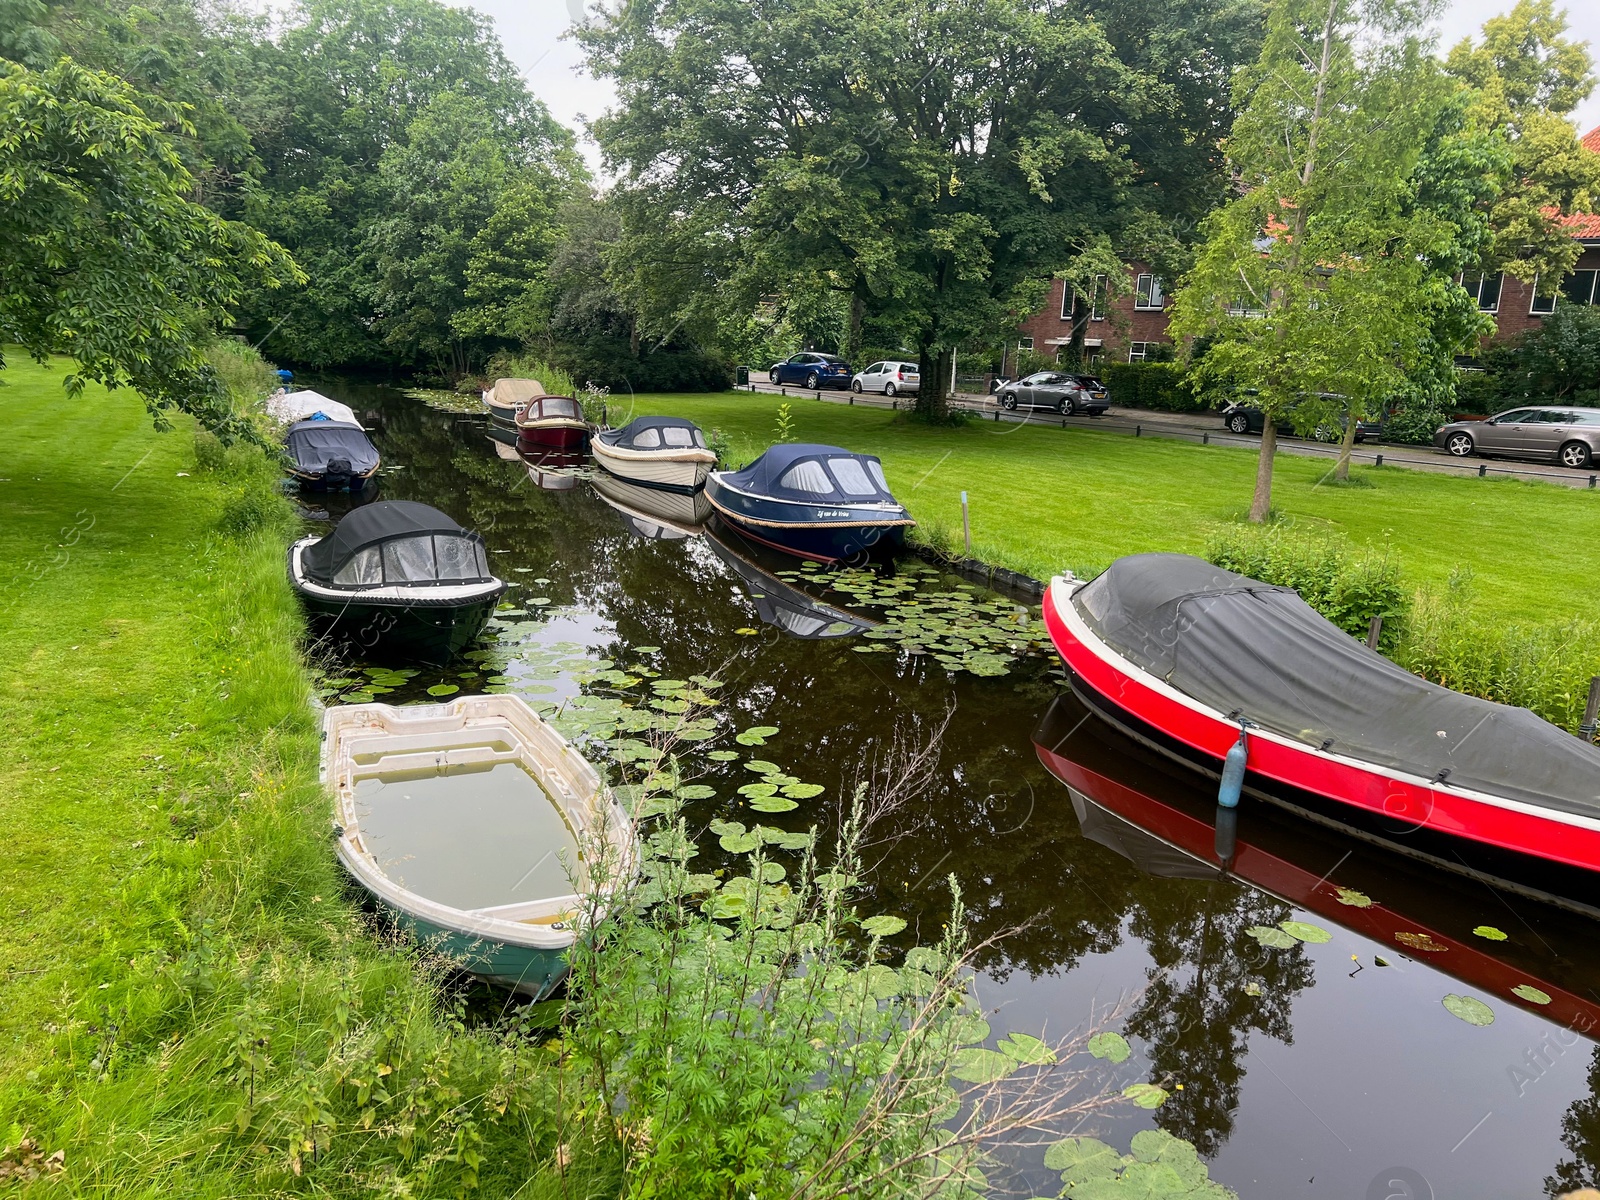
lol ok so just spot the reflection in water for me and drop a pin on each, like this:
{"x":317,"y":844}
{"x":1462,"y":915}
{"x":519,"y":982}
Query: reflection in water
{"x":778,"y":603}
{"x":997,"y":819}
{"x":652,"y":512}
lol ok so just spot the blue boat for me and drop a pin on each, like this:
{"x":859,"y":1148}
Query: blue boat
{"x":818,"y":502}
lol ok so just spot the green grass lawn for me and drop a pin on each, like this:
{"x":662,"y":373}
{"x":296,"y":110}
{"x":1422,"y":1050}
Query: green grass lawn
{"x":1043,"y":499}
{"x":189,"y":1002}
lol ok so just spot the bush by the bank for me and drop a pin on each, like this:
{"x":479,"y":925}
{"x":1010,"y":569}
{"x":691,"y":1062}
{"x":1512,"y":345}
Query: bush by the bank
{"x":609,"y":362}
{"x":1157,"y":386}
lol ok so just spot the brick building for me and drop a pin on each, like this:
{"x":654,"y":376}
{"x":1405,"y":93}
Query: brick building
{"x":1128,"y":327}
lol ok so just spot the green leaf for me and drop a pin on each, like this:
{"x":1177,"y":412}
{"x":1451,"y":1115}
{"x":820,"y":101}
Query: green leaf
{"x":1080,"y":1159}
{"x":977,"y":1065}
{"x":647,"y":649}
{"x":1470,"y":1009}
{"x":1110,"y":1046}
{"x":443,"y":689}
{"x":1490,"y":932}
{"x":772,"y":804}
{"x":1528,"y":992}
{"x":883,"y":926}
{"x":771,"y":872}
{"x":1026,"y":1049}
{"x":968,"y":1029}
{"x":754,"y":790}
{"x":1353,"y":898}
{"x":739,"y":843}
{"x":721,"y":755}
{"x":802,"y":791}
{"x":756,"y":735}
{"x":1145,"y":1095}
{"x":696,"y":791}
{"x":762,"y":767}
{"x":1269,"y":936}
{"x":1304,"y":932}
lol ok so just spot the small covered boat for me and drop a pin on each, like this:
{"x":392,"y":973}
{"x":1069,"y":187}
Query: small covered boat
{"x":818,"y":502}
{"x":1190,"y":658}
{"x":552,"y":422}
{"x":658,"y":452}
{"x":650,"y":512}
{"x":396,"y":579}
{"x":506,"y":399}
{"x":331,"y":456}
{"x":306,"y":405}
{"x":476,"y":826}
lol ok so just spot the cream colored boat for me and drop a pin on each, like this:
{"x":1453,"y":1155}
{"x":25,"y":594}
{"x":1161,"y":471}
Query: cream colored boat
{"x":669,"y":453}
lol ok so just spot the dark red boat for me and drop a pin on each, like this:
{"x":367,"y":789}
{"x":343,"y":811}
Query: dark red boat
{"x":552,"y":422}
{"x":1185,"y":655}
{"x":1163,"y":822}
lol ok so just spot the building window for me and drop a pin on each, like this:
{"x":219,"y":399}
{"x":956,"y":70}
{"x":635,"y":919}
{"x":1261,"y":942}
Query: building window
{"x":1147,"y":292}
{"x":1542,"y":306}
{"x":1097,"y":299}
{"x":1025,"y":344}
{"x":1068,"y":291}
{"x":1138,"y":350}
{"x":1579,"y":287}
{"x":1484,"y":288}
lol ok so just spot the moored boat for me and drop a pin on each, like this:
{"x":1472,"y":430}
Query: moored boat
{"x":477,"y":827}
{"x":1186,"y":655}
{"x":506,"y":399}
{"x":306,"y":405}
{"x":333,"y":456}
{"x":668,"y":453}
{"x":818,"y":502}
{"x":554,"y":422}
{"x":396,"y":579}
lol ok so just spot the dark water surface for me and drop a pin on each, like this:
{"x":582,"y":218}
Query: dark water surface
{"x":1304,"y":1071}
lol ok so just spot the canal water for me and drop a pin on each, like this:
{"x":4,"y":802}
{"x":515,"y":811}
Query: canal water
{"x":1328,"y":1060}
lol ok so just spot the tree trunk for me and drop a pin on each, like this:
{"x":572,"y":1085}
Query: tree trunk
{"x":852,"y":346}
{"x":1261,"y":504}
{"x":1341,"y":470}
{"x":633,"y":336}
{"x":933,"y":393}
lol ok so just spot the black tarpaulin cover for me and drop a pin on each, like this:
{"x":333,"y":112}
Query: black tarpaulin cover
{"x":370,"y":525}
{"x":1236,"y":644}
{"x":314,"y":444}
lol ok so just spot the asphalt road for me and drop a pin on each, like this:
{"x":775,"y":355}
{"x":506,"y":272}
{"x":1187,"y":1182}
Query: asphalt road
{"x":1207,"y":429}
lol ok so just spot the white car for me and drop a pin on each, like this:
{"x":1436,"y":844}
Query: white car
{"x":890,"y":378}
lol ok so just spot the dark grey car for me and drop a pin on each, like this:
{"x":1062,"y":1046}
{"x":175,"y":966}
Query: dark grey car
{"x":1064,"y":392}
{"x":1569,"y":436}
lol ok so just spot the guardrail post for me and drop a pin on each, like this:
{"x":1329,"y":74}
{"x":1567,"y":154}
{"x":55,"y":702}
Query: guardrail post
{"x":1378,"y":462}
{"x":1591,"y":711}
{"x":1205,"y":439}
{"x":1483,"y":469}
{"x":966,"y":529}
{"x":1136,"y":430}
{"x":1592,"y":478}
{"x":819,"y":396}
{"x":1373,"y":630}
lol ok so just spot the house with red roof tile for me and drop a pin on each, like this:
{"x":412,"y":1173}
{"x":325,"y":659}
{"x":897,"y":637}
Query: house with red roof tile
{"x":1132,"y":326}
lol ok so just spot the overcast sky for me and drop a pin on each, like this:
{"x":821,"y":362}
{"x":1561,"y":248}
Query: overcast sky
{"x":532,"y":29}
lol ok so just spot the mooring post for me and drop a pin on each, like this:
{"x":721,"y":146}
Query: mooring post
{"x":1591,"y":711}
{"x":1136,"y":430}
{"x":1378,"y":462}
{"x":1373,"y":630}
{"x":1483,"y":469}
{"x":966,"y":528}
{"x":1205,"y":439}
{"x":1592,"y":478}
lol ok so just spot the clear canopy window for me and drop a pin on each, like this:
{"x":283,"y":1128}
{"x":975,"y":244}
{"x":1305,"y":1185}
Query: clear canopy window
{"x":426,"y":558}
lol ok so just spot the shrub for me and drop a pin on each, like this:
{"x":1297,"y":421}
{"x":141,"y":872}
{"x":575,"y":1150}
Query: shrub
{"x":528,"y":366}
{"x":253,"y":508}
{"x":1349,"y":586}
{"x":209,"y":452}
{"x":1158,"y":386}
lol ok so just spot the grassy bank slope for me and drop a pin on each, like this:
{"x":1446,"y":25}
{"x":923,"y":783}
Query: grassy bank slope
{"x":1046,"y":498}
{"x":188,"y":1003}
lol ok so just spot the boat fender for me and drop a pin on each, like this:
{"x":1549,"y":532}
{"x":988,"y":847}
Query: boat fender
{"x":1227,"y":836}
{"x":1233,"y":771}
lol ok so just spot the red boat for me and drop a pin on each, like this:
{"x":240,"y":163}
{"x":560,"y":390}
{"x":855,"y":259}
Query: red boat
{"x":552,"y":422}
{"x":1164,"y":825}
{"x":1188,"y":656}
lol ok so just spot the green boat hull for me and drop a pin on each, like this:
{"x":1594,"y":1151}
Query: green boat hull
{"x":529,"y":970}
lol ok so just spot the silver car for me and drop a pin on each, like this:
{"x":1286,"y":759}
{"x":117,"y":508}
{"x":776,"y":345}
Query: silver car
{"x":1569,"y":436}
{"x":887,"y":377}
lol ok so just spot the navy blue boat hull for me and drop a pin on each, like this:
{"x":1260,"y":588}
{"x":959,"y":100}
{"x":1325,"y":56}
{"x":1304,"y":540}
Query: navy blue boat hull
{"x":823,"y":533}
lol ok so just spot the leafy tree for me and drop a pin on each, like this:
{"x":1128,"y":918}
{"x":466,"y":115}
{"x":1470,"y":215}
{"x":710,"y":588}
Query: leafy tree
{"x":1324,"y":278}
{"x":933,"y":161}
{"x":1561,"y":359}
{"x":1528,"y":76}
{"x":107,"y":258}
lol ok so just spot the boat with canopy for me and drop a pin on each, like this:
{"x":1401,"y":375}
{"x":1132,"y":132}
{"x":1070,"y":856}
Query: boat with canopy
{"x":506,"y":399}
{"x":552,"y":422}
{"x":669,"y":453}
{"x":398,"y":579}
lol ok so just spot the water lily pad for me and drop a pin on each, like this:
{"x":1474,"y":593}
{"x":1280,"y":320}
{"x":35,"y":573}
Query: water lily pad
{"x":1526,"y":991}
{"x":1111,"y":1046}
{"x":738,"y":843}
{"x":977,"y":1065}
{"x":759,"y":790}
{"x":756,"y":735}
{"x":772,"y":804}
{"x":1026,"y":1049}
{"x":1252,"y":988}
{"x":1490,"y":932}
{"x":696,"y":791}
{"x":802,"y":791}
{"x":1420,"y":941}
{"x":721,"y":755}
{"x":1082,"y":1160}
{"x":1145,"y":1095}
{"x":539,"y":601}
{"x":1353,"y":898}
{"x":1276,"y":938}
{"x":762,"y":767}
{"x":883,"y":925}
{"x":647,"y":649}
{"x":1301,"y":931}
{"x":1470,"y":1009}
{"x":968,"y":1029}
{"x":443,"y":689}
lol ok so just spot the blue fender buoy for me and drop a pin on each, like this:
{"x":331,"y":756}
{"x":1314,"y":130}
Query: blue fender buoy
{"x":1233,"y":771}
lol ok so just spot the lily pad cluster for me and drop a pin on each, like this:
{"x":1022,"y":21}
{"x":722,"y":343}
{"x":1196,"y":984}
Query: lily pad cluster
{"x":1288,"y":934}
{"x":1158,"y":1167}
{"x":362,"y":685}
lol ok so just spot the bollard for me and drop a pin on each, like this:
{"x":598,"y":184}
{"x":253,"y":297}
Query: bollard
{"x":819,"y":396}
{"x":1591,"y":711}
{"x":966,"y":524}
{"x":997,"y":416}
{"x":1592,"y":478}
{"x":1378,"y":462}
{"x":1205,"y":439}
{"x":1373,"y":630}
{"x":783,"y":391}
{"x":1136,"y":430}
{"x":1483,"y":469}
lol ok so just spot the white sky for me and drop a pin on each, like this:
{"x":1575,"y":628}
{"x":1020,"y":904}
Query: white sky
{"x":532,"y":29}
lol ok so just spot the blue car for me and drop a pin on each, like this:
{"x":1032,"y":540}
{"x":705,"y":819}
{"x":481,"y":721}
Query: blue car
{"x":812,"y":370}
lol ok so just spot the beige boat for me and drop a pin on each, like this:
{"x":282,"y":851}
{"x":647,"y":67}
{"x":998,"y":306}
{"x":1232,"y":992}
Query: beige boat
{"x":508,"y":397}
{"x":668,"y":453}
{"x":472,"y":823}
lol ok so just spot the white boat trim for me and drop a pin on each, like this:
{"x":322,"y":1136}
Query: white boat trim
{"x":390,"y":593}
{"x":872,"y":505}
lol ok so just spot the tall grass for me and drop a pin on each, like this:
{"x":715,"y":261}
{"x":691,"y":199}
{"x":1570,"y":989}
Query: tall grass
{"x":506,"y":365}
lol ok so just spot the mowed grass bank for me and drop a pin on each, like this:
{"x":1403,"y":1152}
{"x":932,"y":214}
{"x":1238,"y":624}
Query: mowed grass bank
{"x":190,"y":1005}
{"x":1043,"y":499}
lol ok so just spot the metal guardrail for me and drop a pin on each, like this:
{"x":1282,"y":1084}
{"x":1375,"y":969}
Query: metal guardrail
{"x":988,"y":408}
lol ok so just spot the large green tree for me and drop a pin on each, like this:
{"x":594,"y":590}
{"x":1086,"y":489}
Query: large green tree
{"x":1323,"y":277}
{"x":107,"y":258}
{"x":936,"y":161}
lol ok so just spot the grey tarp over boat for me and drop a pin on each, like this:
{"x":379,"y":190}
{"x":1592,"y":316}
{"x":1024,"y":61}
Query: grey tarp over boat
{"x":314,"y":445}
{"x":1246,"y":647}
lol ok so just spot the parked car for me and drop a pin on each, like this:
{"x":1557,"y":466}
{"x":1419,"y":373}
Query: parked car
{"x":812,"y":369}
{"x":1241,"y":417}
{"x":890,"y":378}
{"x":1063,"y":392}
{"x":1569,"y":436}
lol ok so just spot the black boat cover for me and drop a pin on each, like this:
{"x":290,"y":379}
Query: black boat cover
{"x":314,"y":444}
{"x":1246,"y":647}
{"x":396,"y":541}
{"x":655,"y":433}
{"x":811,"y":473}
